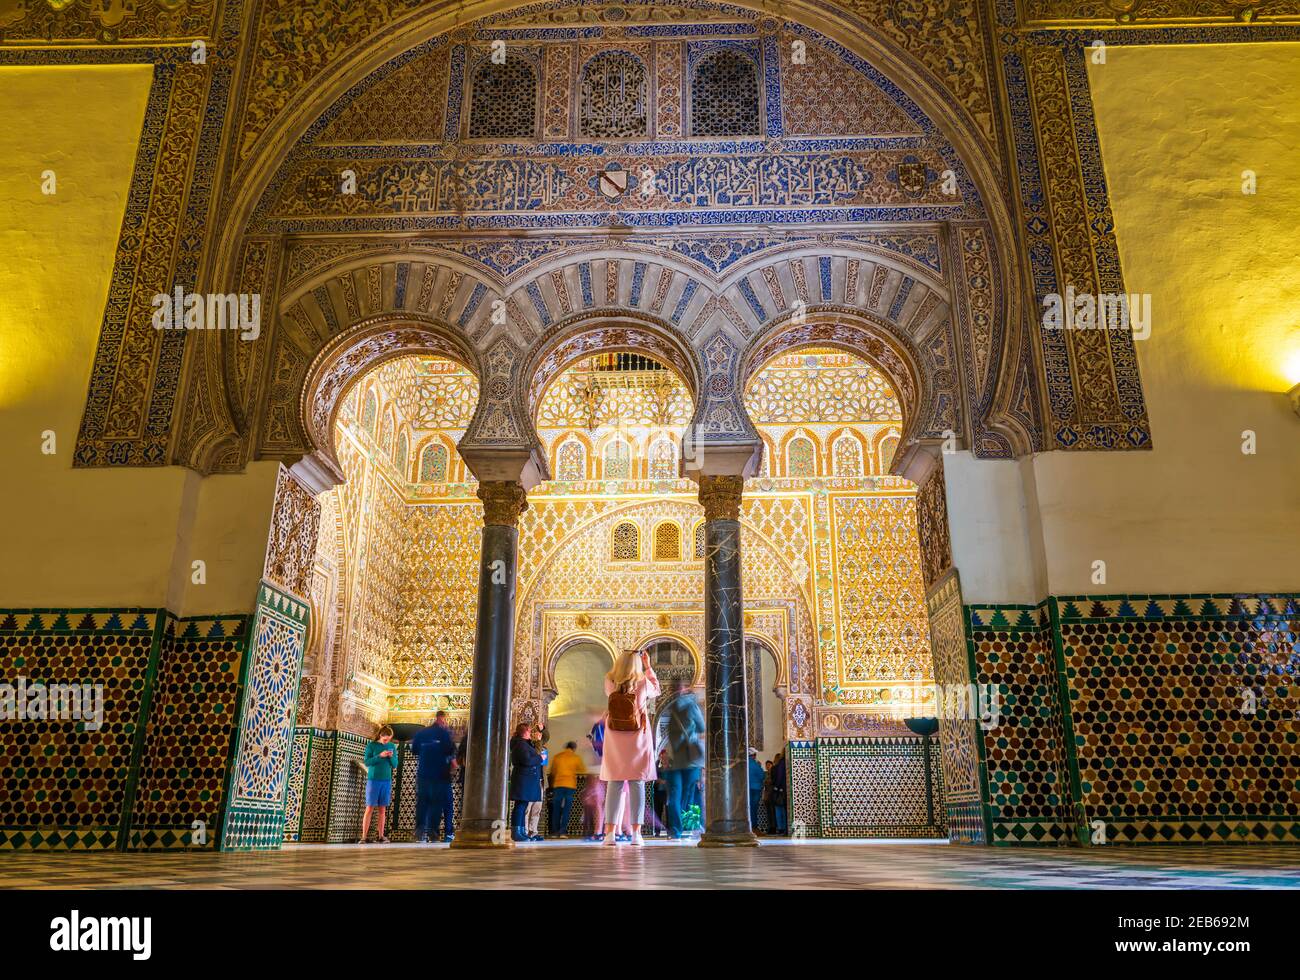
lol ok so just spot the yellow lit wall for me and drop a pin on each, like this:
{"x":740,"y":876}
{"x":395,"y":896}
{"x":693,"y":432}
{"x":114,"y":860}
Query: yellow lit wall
{"x":1178,"y":127}
{"x":77,"y":537}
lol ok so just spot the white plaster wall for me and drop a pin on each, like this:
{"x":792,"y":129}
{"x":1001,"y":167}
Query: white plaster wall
{"x":993,"y":521}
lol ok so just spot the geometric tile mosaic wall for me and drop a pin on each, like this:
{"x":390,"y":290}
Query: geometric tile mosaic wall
{"x":801,"y":788}
{"x":159,"y":761}
{"x":259,"y":779}
{"x":187,"y":743}
{"x":1027,"y":792}
{"x":1157,"y":748}
{"x":958,"y":737}
{"x":62,"y":787}
{"x":1163,"y":749}
{"x":326,"y":787}
{"x":878,"y":787}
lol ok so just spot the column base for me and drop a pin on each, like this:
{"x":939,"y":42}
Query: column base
{"x":738,"y":838}
{"x":481,"y":842}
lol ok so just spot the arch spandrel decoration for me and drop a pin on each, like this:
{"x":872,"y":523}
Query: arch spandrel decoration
{"x":712,"y":288}
{"x":296,"y":81}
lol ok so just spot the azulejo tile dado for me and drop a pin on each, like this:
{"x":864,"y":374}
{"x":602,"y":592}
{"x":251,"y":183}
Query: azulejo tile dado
{"x":259,"y":780}
{"x":1172,"y":711}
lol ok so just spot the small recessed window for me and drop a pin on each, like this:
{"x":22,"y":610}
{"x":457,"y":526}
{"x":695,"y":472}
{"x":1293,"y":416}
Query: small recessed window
{"x":503,"y":103}
{"x":724,"y":95}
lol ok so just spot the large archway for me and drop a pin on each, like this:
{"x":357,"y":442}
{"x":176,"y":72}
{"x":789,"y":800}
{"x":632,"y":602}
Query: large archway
{"x":674,"y":250}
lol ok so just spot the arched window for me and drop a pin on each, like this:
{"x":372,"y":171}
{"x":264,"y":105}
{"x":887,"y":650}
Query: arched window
{"x":663,"y":460}
{"x":724,"y":95}
{"x":612,"y":100}
{"x":433,"y":463}
{"x":369,"y":412}
{"x":847,"y":456}
{"x":403,"y":452}
{"x":503,"y":102}
{"x":668,"y":542}
{"x":699,"y":540}
{"x":888,"y":446}
{"x":801,"y":456}
{"x":571,"y":461}
{"x":618,"y":461}
{"x":626,"y":543}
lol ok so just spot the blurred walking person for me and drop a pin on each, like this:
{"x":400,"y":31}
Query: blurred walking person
{"x":756,"y":778}
{"x":566,"y":767}
{"x":436,"y":751}
{"x":685,"y":755}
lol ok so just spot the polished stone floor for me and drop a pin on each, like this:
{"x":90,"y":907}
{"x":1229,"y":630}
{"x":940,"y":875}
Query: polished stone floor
{"x":777,"y":864}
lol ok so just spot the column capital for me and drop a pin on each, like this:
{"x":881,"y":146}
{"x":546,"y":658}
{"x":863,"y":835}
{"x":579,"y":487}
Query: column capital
{"x":720,"y":496}
{"x":503,"y":502}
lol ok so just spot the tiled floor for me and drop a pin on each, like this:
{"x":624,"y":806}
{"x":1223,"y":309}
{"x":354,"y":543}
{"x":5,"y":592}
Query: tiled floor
{"x":776,"y":864}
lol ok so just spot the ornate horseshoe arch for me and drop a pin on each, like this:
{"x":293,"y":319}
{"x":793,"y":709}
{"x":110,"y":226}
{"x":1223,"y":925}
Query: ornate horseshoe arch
{"x":363,"y":348}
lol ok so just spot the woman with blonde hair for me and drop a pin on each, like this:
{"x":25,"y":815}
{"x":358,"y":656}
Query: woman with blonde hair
{"x":628,"y":762}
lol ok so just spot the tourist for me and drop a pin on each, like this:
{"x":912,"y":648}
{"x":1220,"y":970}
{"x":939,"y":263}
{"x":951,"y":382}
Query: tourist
{"x":436,"y":751}
{"x":660,"y":792}
{"x":778,"y":792}
{"x":593,"y":799}
{"x":566,"y":767}
{"x":685,"y":755}
{"x":756,"y":777}
{"x":628,"y":761}
{"x":525,"y":780}
{"x":767,"y":797}
{"x":598,"y":788}
{"x":534,"y":817}
{"x":381,"y":763}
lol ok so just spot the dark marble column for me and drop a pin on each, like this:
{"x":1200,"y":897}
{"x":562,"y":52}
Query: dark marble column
{"x":726,"y":800}
{"x":484,"y":821}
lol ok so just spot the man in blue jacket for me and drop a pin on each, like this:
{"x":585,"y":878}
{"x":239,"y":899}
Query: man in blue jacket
{"x":436,"y":750}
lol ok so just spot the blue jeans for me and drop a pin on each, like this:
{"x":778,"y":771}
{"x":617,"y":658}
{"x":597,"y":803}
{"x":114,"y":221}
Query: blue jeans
{"x":755,"y":797}
{"x":561,"y":804}
{"x":519,"y":820}
{"x":681,"y":794}
{"x":433,"y":806}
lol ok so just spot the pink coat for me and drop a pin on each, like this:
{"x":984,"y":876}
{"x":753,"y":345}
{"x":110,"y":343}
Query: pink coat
{"x":631,"y":755}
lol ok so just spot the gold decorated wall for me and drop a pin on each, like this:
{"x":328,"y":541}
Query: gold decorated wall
{"x":610,"y":551}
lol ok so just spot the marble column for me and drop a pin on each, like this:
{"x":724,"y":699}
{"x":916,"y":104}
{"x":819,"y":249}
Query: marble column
{"x":726,"y":780}
{"x":484,"y":821}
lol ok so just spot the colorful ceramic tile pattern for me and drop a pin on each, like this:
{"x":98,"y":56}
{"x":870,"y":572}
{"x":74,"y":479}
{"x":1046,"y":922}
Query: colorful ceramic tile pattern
{"x":193,"y":714}
{"x":1023,"y":748}
{"x":879,"y":787}
{"x":1181,"y":713}
{"x":64,"y":788}
{"x":259,"y":780}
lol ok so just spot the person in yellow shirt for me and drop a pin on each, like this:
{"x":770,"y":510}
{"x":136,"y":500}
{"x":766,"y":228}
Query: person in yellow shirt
{"x":566,"y":767}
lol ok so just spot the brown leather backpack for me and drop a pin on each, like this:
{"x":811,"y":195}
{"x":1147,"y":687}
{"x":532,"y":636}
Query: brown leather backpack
{"x":625,"y":711}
